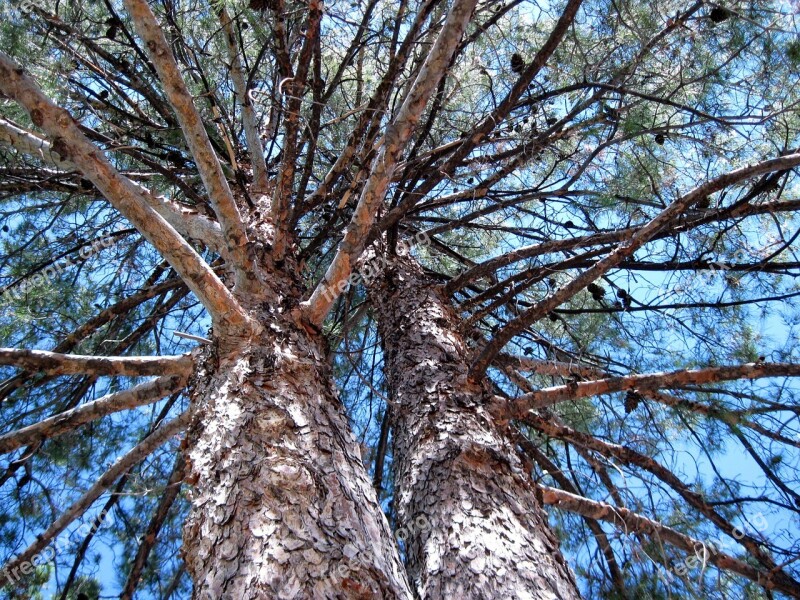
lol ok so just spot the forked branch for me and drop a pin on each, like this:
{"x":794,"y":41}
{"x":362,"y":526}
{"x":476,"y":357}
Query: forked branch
{"x":391,"y":147}
{"x":71,"y":144}
{"x":197,"y":139}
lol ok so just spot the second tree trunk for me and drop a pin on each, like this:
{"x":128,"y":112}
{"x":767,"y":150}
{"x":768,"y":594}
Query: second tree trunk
{"x":466,"y":507}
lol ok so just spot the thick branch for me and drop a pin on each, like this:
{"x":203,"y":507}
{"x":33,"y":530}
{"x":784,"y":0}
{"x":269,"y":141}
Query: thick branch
{"x":521,"y":406}
{"x":294,"y":90}
{"x":28,"y":143}
{"x":196,"y":136}
{"x":70,"y":143}
{"x":482,"y":129}
{"x":373,"y":110}
{"x":52,"y":363}
{"x":140,"y":395}
{"x":189,"y":223}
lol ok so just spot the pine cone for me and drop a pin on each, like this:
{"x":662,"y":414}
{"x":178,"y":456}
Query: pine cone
{"x":719,"y":14}
{"x":632,"y":400}
{"x":517,"y":63}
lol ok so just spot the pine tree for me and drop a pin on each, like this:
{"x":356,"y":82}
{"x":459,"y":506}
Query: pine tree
{"x":437,"y":299}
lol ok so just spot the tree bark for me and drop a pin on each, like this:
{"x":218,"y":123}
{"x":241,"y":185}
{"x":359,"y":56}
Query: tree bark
{"x":466,"y":507}
{"x":282,"y":506}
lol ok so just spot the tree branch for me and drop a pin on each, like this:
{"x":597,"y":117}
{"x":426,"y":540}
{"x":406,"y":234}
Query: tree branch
{"x":294,"y":90}
{"x":491,"y":265}
{"x":189,"y":223}
{"x":552,"y":469}
{"x":249,"y":120}
{"x":140,"y":395}
{"x":391,"y":147}
{"x":521,"y":406}
{"x":196,"y":137}
{"x":25,"y":142}
{"x":548,"y":367}
{"x":630,"y":456}
{"x":371,"y":111}
{"x":482,"y":129}
{"x":52,"y":363}
{"x":628,"y":521}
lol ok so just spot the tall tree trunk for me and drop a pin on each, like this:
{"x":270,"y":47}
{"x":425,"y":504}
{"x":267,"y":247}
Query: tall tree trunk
{"x":282,"y":506}
{"x":466,"y":507}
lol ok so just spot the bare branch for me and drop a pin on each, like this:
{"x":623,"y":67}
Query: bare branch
{"x":732,"y":418}
{"x":295,"y":87}
{"x":249,"y":120}
{"x":521,"y":406}
{"x":529,"y":448}
{"x":140,"y":395}
{"x":482,"y":129}
{"x":29,"y":143}
{"x":189,"y":223}
{"x":629,"y":456}
{"x":52,"y":363}
{"x":548,"y":367}
{"x":374,"y":108}
{"x":630,"y":522}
